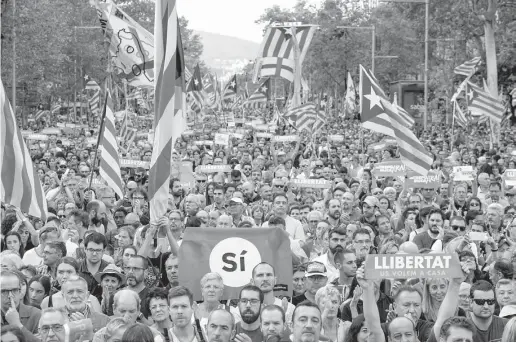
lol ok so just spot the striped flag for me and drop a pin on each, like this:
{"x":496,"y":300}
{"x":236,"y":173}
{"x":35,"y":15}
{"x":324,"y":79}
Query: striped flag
{"x":276,"y":54}
{"x":135,"y":95}
{"x":94,"y":103}
{"x":109,"y":165}
{"x":459,"y":116}
{"x":482,"y":103}
{"x":194,"y":90}
{"x":92,"y":85}
{"x":209,"y":90}
{"x":56,"y":108}
{"x":378,"y":114}
{"x":260,"y":97}
{"x":128,"y":137}
{"x":302,"y":117}
{"x":40,"y":114}
{"x":406,"y":118}
{"x":170,"y":98}
{"x":321,"y":120}
{"x":20,"y":185}
{"x":230,"y":90}
{"x":467,"y":68}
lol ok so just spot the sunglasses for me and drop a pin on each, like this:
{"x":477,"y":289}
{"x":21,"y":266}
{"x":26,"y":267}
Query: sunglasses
{"x":474,"y":204}
{"x":481,"y":302}
{"x":457,"y":227}
{"x":61,"y":216}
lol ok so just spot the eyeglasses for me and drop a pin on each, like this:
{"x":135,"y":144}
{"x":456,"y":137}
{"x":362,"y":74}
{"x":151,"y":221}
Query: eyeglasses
{"x":319,"y":165}
{"x":244,"y":301}
{"x":132,"y":269}
{"x":6,"y":292}
{"x":481,"y":302}
{"x":458,"y":227}
{"x":474,"y":204}
{"x":94,"y":251}
{"x":62,"y":216}
{"x":55,"y":327}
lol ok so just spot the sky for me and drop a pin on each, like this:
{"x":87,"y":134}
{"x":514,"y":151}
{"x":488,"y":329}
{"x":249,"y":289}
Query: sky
{"x":234,"y":18}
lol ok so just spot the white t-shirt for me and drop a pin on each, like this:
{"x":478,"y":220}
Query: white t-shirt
{"x":31,"y":258}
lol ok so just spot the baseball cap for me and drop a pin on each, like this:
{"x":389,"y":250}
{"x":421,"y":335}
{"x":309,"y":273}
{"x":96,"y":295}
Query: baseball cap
{"x":315,"y":268}
{"x":132,"y":185}
{"x":281,"y":153}
{"x":511,"y":191}
{"x":371,"y":201}
{"x":236,"y":200}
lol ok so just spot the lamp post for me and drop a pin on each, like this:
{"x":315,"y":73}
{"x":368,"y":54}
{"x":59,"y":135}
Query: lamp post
{"x":75,"y":67}
{"x":427,"y":10}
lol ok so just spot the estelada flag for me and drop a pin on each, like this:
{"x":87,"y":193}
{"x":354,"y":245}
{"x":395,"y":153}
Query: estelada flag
{"x":233,"y":253}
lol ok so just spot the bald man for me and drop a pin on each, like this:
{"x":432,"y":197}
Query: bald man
{"x":225,"y":221}
{"x":97,"y":213}
{"x":408,"y":248}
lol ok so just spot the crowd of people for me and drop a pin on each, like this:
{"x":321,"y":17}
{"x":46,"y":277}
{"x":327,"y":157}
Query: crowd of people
{"x":97,"y":270}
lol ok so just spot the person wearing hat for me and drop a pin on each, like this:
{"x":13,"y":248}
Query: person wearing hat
{"x":316,"y":278}
{"x":110,"y":279}
{"x":236,"y":211}
{"x":369,"y":208}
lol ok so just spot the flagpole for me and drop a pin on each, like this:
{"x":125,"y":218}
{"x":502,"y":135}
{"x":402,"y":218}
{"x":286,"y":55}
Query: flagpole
{"x":14,"y":58}
{"x":453,"y":126}
{"x":101,"y":129}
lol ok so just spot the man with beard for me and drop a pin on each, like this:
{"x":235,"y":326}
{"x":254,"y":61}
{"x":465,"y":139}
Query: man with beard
{"x":426,"y":239}
{"x":346,"y":263}
{"x":176,"y":193}
{"x":135,"y":272}
{"x":350,"y":213}
{"x":249,"y":305}
{"x":75,"y":293}
{"x":264,"y":277}
{"x":249,"y":194}
{"x":369,"y":207}
{"x":336,"y":242}
{"x":362,"y":243}
{"x":94,"y":246}
{"x":293,"y":226}
{"x":274,"y":328}
{"x":172,"y":270}
{"x":97,"y":214}
{"x":333,"y":208}
{"x":119,"y":218}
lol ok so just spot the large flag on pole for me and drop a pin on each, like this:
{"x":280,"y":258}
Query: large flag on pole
{"x":109,"y":166}
{"x":378,"y":114}
{"x":260,"y":97}
{"x":481,"y":102}
{"x":169,"y":108}
{"x":467,"y":68}
{"x":20,"y":185}
{"x":230,"y":90}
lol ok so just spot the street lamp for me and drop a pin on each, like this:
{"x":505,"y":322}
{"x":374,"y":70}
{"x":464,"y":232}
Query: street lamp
{"x":427,"y":10}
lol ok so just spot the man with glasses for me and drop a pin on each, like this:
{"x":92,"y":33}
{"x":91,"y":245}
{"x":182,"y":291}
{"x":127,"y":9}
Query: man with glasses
{"x":250,"y":301}
{"x":369,"y":207}
{"x":316,"y":278}
{"x":362,"y":243}
{"x":51,"y":324}
{"x":458,"y":224}
{"x":94,"y":246}
{"x":14,"y":311}
{"x":135,"y":272}
{"x":304,"y":165}
{"x":430,"y":197}
{"x":489,"y":327}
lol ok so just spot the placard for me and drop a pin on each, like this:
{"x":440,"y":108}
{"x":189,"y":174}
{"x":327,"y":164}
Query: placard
{"x":336,"y":138}
{"x":221,"y":139}
{"x":463,"y":173}
{"x":38,"y":137}
{"x":203,"y":142}
{"x":51,"y":131}
{"x":26,"y":132}
{"x":263,"y":135}
{"x":389,"y":169}
{"x":290,"y":138}
{"x":311,"y":183}
{"x":134,"y":164}
{"x":510,"y":177}
{"x":432,"y":180}
{"x":213,"y":168}
{"x":408,"y":266}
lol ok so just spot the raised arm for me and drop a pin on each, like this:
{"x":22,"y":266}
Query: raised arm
{"x":371,"y":313}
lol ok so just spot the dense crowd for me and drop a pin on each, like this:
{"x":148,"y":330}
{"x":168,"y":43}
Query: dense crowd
{"x":97,"y":270}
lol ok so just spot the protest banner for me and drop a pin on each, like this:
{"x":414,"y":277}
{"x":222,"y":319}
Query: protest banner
{"x":336,"y":138}
{"x":510,"y":177}
{"x":408,"y":266}
{"x":389,"y":169}
{"x":215,"y":168}
{"x":237,"y":135}
{"x":263,"y":135}
{"x":134,"y":163}
{"x":290,"y":138}
{"x":221,"y":139}
{"x":233,"y":253}
{"x":432,"y":180}
{"x":26,"y":132}
{"x":463,"y":173}
{"x":203,"y":142}
{"x":51,"y":131}
{"x":311,"y":183}
{"x":38,"y":137}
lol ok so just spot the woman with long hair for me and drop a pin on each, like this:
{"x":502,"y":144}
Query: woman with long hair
{"x":509,"y":332}
{"x":13,"y":241}
{"x":258,"y":214}
{"x":209,"y":193}
{"x":358,"y":331}
{"x":138,"y":333}
{"x":434,"y":291}
{"x":38,"y":288}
